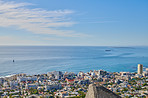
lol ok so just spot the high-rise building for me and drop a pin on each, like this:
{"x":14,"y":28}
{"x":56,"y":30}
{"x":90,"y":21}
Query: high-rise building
{"x":140,"y":68}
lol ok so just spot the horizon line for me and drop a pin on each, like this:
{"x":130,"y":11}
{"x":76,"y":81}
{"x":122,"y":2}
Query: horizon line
{"x":85,"y":45}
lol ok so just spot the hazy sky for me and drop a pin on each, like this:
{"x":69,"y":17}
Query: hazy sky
{"x":74,"y":22}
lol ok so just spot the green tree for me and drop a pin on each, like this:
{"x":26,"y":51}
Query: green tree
{"x":10,"y":96}
{"x":125,"y":89}
{"x":145,"y":84}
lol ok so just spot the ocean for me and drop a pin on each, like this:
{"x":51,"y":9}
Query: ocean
{"x":43,"y":59}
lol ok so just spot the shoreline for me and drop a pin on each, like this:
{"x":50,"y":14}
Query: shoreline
{"x":10,"y":75}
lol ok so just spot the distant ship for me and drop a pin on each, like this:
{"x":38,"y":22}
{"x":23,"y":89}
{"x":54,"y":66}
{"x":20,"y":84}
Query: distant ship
{"x":107,"y":50}
{"x":13,"y":60}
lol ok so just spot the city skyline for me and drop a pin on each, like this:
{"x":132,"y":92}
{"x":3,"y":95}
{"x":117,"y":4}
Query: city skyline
{"x":74,"y":23}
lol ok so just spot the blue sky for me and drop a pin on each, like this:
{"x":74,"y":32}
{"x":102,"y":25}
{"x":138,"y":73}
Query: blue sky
{"x":74,"y":22}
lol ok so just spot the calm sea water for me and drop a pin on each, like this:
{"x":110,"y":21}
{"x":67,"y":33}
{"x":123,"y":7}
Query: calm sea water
{"x":42,"y":59}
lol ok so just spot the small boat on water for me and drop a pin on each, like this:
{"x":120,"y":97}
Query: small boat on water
{"x":13,"y":60}
{"x":107,"y":50}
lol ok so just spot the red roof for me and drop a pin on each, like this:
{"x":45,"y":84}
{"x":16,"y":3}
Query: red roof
{"x":69,"y":80}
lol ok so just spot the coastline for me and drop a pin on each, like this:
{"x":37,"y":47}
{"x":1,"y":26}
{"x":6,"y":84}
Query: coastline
{"x":69,"y":84}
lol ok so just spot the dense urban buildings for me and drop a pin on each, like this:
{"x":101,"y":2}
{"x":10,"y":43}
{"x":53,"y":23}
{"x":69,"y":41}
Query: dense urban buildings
{"x":57,"y":84}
